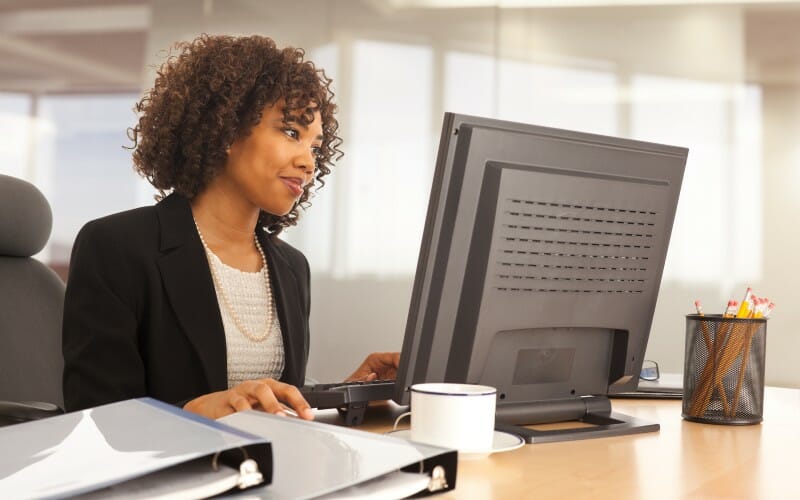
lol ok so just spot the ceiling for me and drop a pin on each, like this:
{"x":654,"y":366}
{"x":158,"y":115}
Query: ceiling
{"x":773,"y":45}
{"x":72,"y":46}
{"x":67,"y":46}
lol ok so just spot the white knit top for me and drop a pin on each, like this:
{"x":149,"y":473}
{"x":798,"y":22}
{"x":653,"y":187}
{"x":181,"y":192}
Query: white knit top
{"x":247,"y":293}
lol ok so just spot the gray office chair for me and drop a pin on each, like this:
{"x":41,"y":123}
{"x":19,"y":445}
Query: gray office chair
{"x":31,"y":305}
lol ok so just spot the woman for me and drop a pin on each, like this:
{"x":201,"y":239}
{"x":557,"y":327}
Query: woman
{"x":196,"y":301}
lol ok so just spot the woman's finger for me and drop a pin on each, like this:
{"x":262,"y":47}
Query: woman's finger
{"x":266,"y":397}
{"x":289,"y":411}
{"x":238,"y":402}
{"x":291,"y":395}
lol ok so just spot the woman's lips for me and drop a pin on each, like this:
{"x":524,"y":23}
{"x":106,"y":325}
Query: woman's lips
{"x":294,"y":184}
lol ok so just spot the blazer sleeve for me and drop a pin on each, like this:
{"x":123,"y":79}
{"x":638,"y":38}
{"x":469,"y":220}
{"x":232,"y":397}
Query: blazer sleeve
{"x":298,"y":304}
{"x":102,"y":362}
{"x":308,"y":312}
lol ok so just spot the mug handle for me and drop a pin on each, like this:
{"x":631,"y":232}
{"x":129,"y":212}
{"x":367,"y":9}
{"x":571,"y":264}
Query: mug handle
{"x":398,"y":419}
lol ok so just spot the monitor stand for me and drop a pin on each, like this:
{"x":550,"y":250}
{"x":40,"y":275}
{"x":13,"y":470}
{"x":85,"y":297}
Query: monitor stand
{"x":593,"y":410}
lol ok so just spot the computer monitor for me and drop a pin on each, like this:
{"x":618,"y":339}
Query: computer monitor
{"x":539,"y":270}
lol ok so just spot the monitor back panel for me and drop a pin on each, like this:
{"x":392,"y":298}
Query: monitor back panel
{"x":542,"y":259}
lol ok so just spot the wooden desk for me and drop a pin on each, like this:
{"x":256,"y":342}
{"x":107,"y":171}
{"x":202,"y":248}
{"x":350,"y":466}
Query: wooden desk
{"x":682,"y":460}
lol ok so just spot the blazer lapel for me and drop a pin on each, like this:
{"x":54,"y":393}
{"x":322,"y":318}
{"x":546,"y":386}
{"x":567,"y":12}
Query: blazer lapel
{"x":190,"y":289}
{"x":284,"y":284}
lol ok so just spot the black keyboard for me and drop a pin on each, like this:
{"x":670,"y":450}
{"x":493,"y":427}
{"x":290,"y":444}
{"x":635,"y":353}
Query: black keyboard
{"x":350,"y":398}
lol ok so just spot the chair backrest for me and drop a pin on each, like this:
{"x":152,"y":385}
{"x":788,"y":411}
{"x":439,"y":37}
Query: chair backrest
{"x":31,"y":299}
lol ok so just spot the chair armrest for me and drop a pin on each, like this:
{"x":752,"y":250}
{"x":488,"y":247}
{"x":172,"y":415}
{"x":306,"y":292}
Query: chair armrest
{"x":15,"y":412}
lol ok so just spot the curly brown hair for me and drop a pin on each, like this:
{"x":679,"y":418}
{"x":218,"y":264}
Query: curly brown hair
{"x":212,"y":91}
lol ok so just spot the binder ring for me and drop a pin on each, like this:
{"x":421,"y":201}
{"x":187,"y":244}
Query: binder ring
{"x":215,"y":459}
{"x":249,"y":475}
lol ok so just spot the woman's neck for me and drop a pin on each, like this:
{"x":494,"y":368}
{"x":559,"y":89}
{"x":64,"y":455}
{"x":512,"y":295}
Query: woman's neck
{"x":228,"y":224}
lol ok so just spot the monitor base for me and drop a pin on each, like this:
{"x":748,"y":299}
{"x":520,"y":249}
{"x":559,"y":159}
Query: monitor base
{"x":596,"y":412}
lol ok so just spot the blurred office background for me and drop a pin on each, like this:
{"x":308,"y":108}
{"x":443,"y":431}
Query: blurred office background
{"x":721,"y":78}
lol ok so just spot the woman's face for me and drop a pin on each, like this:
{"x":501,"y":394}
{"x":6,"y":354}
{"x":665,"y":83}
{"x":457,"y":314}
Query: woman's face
{"x":270,"y":167}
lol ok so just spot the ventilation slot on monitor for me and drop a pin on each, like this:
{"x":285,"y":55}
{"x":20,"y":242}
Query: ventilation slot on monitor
{"x":573,"y":248}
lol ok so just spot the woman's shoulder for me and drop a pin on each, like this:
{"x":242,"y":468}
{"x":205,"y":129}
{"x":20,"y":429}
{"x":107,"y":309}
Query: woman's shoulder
{"x":170,"y":213}
{"x":294,"y":256}
{"x":128,"y":223}
{"x":123,"y":234}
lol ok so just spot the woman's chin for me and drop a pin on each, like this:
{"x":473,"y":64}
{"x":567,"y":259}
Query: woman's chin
{"x":278,"y":211}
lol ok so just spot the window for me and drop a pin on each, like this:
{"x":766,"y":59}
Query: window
{"x":17,"y":127}
{"x":384,"y":180}
{"x":717,"y":234}
{"x":556,"y":96}
{"x":469,"y":85}
{"x":73,"y":151}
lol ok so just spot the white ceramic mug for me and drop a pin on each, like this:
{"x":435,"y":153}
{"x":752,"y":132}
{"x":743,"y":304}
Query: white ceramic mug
{"x":459,"y":416}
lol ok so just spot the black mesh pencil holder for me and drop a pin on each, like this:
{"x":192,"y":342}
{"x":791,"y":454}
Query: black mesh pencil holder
{"x":723,"y":376}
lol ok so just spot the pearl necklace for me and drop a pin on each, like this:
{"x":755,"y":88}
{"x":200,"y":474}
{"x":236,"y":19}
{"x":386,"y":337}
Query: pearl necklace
{"x":226,"y":302}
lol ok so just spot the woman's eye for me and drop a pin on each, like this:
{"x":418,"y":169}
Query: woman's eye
{"x":316,"y":151}
{"x":290,"y":132}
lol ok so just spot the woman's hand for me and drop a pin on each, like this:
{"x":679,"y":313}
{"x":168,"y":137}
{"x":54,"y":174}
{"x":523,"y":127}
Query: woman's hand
{"x":264,"y":394}
{"x":377,"y":366}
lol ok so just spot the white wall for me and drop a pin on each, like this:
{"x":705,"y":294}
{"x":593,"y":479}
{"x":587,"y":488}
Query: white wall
{"x":782,"y":236}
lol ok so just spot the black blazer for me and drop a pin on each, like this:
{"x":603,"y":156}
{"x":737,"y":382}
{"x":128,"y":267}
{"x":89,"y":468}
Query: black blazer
{"x":141,"y":316}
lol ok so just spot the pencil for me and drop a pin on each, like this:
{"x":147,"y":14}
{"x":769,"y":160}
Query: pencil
{"x":744,"y":308}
